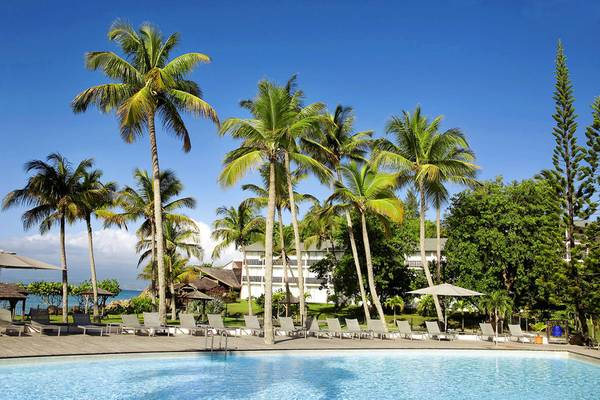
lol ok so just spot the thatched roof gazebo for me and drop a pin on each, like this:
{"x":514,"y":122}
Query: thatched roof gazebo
{"x":13,"y":294}
{"x":103,"y":294}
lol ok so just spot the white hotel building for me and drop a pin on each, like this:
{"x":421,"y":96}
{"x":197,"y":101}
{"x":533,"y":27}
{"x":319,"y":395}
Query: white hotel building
{"x":255,"y":259}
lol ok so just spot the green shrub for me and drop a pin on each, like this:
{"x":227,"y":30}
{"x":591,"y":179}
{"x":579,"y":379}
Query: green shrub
{"x":215,"y":306}
{"x":140,"y":304}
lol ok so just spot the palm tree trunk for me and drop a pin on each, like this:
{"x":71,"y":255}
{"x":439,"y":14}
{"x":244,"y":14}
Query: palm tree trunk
{"x":438,"y":245}
{"x":153,"y":271}
{"x":286,"y":279}
{"x":160,"y":252}
{"x":172,"y":290}
{"x":245,"y":267}
{"x":299,"y":262}
{"x":370,"y":276}
{"x":88,"y":223}
{"x":436,"y":301}
{"x":268,"y":311}
{"x":361,"y":285}
{"x":65,"y":278}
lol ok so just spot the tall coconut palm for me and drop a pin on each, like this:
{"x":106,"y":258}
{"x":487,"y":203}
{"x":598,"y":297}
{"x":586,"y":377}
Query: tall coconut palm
{"x":319,"y":226}
{"x":181,"y":238}
{"x":93,"y":197}
{"x":261,"y":137}
{"x":424,"y":156}
{"x":51,"y":191}
{"x":333,"y":144}
{"x":369,"y":191}
{"x":239,"y":227}
{"x":292,"y":121}
{"x":147,"y":85}
{"x":137,"y":203}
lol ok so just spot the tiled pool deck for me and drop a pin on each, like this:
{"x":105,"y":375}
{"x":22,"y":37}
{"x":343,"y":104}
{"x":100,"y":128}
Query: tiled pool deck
{"x":36,"y":346}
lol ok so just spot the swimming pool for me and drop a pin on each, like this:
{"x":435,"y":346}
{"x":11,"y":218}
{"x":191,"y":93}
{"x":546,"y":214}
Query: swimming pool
{"x":392,"y":374}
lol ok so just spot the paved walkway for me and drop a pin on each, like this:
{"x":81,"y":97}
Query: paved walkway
{"x":33,"y":346}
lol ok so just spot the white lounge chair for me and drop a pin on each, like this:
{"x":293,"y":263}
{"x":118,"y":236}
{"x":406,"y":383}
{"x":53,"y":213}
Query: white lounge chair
{"x":252,"y":324}
{"x":83,"y":322}
{"x":377,"y":328}
{"x":355,"y":330}
{"x":405,"y":330}
{"x":433,"y":331}
{"x":130,"y":323}
{"x":315,"y":329}
{"x":286,"y":325}
{"x":188,"y":322}
{"x":152,"y":324}
{"x":517,"y":333}
{"x":487,"y":332}
{"x":7,"y":325}
{"x":335,"y":328}
{"x":40,"y":320}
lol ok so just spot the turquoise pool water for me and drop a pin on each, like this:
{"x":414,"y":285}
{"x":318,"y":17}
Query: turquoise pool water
{"x":419,"y":374}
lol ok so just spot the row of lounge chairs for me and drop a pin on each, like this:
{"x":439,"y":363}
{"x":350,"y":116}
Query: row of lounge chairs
{"x":375,"y":328}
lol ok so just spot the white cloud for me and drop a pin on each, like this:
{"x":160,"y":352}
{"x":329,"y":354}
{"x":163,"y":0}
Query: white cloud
{"x":114,"y":251}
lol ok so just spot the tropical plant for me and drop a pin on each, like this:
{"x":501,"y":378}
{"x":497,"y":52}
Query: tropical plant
{"x":238,"y":227}
{"x":148,"y":85}
{"x":426,"y":306}
{"x":51,"y":191}
{"x":137,"y":202}
{"x":274,"y":115}
{"x":395,"y":302}
{"x":425,"y":157}
{"x":334,"y":143}
{"x":497,"y":305}
{"x":49,"y":292}
{"x":320,"y":226}
{"x":368,"y":191}
{"x":92,"y":197}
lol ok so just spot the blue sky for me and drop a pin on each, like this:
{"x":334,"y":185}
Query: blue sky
{"x":487,"y":67}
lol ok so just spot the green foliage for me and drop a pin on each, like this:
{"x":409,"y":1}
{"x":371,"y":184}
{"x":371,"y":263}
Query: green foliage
{"x":506,"y":237}
{"x":140,"y":304}
{"x":539,"y":327}
{"x":49,"y":292}
{"x":216,"y":306}
{"x":388,"y":248}
{"x":426,"y":306}
{"x":112,"y":285}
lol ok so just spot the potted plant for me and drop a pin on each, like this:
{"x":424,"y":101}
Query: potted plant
{"x":539,"y":327}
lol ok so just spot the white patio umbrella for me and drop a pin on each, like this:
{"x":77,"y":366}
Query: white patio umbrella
{"x":446,"y":289}
{"x":14,"y":261}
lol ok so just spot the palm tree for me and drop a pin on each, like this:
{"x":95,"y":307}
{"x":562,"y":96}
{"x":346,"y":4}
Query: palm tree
{"x":238,"y":226}
{"x":335,"y":143}
{"x":461,"y":306}
{"x":424,"y":157}
{"x":51,"y":192}
{"x":369,"y":191}
{"x":395,"y":302}
{"x":137,"y":203}
{"x":261,"y":137}
{"x":148,"y":85}
{"x":93,"y":197}
{"x":320,"y":225}
{"x":181,"y":238}
{"x":497,"y":304}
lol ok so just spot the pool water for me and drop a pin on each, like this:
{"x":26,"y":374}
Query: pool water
{"x":393,"y":374}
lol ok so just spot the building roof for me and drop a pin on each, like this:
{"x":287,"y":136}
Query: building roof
{"x":11,"y":291}
{"x":225,"y":276}
{"x":196,"y":295}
